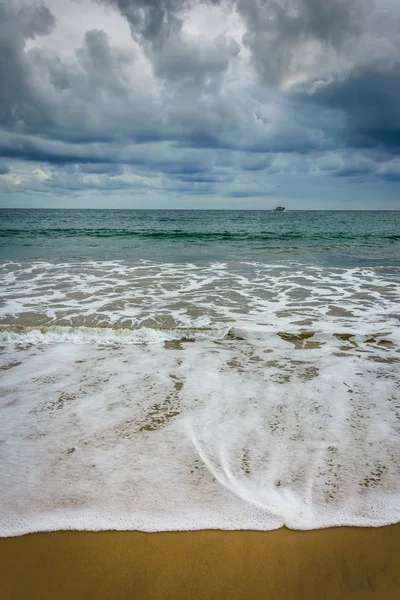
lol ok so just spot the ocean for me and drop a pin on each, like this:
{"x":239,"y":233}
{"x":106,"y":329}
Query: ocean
{"x":171,"y":370}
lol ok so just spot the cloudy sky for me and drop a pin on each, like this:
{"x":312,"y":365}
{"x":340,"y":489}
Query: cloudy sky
{"x":200,"y":104}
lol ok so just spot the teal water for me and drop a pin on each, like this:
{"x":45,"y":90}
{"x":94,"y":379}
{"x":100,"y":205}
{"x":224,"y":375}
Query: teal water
{"x":328,"y":237}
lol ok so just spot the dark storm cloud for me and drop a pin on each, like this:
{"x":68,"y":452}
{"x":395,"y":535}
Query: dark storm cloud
{"x":100,"y":159}
{"x":277,"y":31}
{"x":182,"y":63}
{"x":190,"y":65}
{"x":153,"y":20}
{"x":92,"y":102}
{"x":390,"y":172}
{"x":19,"y":100}
{"x":326,"y":78}
{"x":41,"y":95}
{"x":369,"y":98}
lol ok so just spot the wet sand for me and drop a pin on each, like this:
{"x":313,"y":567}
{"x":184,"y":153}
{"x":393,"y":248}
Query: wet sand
{"x":340,"y":563}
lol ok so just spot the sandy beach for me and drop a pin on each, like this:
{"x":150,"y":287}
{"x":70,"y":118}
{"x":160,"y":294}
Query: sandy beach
{"x":339,"y":563}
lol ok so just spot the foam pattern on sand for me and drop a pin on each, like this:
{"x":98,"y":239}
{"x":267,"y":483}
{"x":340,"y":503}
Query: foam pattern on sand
{"x":160,"y":295}
{"x":242,"y":432}
{"x":161,"y":397}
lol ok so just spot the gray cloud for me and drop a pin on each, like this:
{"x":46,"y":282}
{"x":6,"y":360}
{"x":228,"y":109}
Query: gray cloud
{"x":369,"y":99}
{"x":199,"y":109}
{"x":151,"y":20}
{"x":285,"y":37}
{"x":288,"y":37}
{"x":4,"y":169}
{"x":20,"y":102}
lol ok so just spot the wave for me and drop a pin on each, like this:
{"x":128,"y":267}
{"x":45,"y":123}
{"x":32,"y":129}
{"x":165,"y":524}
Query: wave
{"x":107,"y":336}
{"x":196,"y":236}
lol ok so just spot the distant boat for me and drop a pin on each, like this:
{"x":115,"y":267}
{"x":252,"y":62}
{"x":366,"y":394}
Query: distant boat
{"x":279,"y":209}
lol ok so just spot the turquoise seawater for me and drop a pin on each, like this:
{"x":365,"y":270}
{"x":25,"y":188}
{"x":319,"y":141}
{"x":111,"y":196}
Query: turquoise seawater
{"x":328,"y":237}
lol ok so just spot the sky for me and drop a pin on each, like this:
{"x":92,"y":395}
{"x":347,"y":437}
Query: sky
{"x":226,"y":104}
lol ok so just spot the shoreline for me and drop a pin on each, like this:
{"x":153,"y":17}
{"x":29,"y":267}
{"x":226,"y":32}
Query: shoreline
{"x":336,"y":563}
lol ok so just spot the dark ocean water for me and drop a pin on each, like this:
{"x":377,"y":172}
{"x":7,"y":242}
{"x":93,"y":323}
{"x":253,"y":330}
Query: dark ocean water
{"x":329,"y":237}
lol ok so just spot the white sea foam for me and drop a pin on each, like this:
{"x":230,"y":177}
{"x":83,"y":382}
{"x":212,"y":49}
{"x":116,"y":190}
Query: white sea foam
{"x":106,"y":336}
{"x":268,"y":397}
{"x":144,"y":294}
